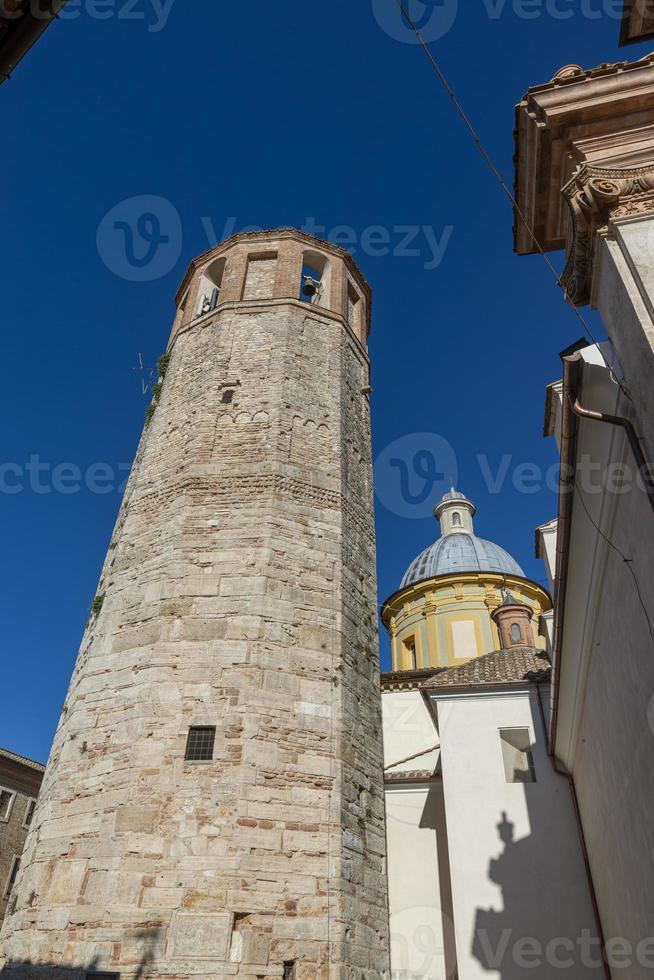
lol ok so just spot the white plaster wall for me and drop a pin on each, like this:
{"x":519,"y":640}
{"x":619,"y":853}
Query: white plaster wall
{"x":547,"y":620}
{"x":613,"y":761}
{"x":610,"y":746}
{"x":416,"y":918}
{"x":606,"y":707}
{"x":548,"y":534}
{"x":518,"y":878}
{"x":623,"y":292}
{"x":408,"y":732}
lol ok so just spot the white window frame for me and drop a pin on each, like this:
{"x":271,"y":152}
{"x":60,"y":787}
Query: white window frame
{"x":528,"y":752}
{"x":9,"y":885}
{"x":31,"y":800}
{"x":12,"y":793}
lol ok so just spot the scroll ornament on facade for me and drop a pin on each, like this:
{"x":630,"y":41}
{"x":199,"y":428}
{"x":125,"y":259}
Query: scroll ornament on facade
{"x":596,"y":196}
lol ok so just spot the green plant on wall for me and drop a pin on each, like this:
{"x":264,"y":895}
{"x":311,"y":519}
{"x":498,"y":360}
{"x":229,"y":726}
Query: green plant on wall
{"x":96,"y":605}
{"x":162,"y":365}
{"x":162,"y":368}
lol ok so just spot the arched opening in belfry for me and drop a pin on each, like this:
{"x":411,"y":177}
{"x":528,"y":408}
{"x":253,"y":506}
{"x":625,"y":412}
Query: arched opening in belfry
{"x":315,"y":280}
{"x":209,"y":289}
{"x":516,"y":633}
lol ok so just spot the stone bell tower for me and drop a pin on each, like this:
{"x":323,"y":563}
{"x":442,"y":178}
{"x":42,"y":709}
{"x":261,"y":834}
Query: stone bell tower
{"x":213,"y":802}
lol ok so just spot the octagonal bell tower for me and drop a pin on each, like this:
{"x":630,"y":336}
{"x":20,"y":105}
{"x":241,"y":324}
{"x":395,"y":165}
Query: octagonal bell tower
{"x":213,"y":802}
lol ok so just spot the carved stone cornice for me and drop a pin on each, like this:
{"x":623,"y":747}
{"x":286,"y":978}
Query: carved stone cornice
{"x":576,"y":132}
{"x":595,"y":196}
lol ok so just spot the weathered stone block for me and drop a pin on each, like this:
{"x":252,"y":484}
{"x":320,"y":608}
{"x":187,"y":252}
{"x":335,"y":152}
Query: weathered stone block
{"x":136,"y":819}
{"x":203,"y":937}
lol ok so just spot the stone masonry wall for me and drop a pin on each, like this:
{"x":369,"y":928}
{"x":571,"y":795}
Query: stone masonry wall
{"x":239,"y":592}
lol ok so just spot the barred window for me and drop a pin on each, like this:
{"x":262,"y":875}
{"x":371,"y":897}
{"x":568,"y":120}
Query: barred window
{"x":199,"y":744}
{"x":103,"y":976}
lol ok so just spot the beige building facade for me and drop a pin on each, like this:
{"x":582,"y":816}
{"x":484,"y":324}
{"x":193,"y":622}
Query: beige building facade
{"x":213,"y":804}
{"x":585,"y":181}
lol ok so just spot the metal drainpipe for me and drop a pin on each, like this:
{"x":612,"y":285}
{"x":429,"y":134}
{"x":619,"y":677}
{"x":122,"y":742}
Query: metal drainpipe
{"x":569,"y":426}
{"x":582,"y":837}
{"x":634,"y":441}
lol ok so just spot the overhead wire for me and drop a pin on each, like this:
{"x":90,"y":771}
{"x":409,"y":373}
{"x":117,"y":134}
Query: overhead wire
{"x":523,"y":220}
{"x":627,"y":561}
{"x":502,"y":182}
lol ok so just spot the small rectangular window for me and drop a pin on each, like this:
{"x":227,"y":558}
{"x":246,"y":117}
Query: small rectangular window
{"x":103,"y":976}
{"x":29,"y":812}
{"x":13,"y":874}
{"x":289,"y":970}
{"x":517,"y":755}
{"x":354,"y":310}
{"x":199,"y":744}
{"x":7,"y":798}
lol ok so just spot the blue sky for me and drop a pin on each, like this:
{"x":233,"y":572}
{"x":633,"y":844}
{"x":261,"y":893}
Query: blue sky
{"x":267,"y":114}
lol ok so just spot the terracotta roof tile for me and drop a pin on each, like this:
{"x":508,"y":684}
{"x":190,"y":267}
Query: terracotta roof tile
{"x":500,"y":667}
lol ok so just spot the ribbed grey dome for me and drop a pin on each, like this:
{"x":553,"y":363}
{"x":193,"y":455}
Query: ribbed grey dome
{"x":460,"y":553}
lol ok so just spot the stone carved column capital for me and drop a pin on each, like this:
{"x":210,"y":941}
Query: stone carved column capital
{"x":595,"y":196}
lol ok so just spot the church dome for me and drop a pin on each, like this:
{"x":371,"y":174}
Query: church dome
{"x":459,"y":549}
{"x":461,"y":552}
{"x":462,"y":598}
